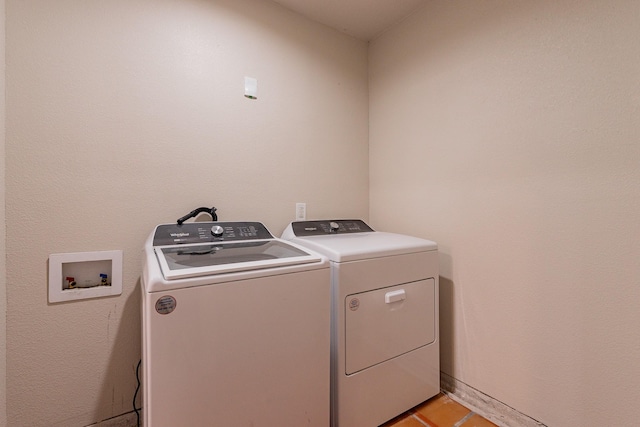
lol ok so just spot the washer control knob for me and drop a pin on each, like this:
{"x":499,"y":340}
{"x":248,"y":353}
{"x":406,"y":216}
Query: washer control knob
{"x":217,"y":231}
{"x":334,"y":226}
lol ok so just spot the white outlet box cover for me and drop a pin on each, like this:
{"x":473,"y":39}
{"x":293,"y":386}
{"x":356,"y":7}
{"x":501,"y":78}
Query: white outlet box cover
{"x":81,"y":262}
{"x":250,"y":88}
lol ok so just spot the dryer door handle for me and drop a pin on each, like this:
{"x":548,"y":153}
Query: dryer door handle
{"x":394,"y":296}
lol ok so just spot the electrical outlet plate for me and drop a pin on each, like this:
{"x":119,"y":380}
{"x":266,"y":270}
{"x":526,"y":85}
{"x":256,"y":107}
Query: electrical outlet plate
{"x":301,"y":211}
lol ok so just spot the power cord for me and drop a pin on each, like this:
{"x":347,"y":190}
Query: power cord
{"x":135,"y":395}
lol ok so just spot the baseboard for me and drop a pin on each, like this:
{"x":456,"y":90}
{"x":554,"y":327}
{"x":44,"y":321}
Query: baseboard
{"x":490,"y":408}
{"x":125,"y":420}
{"x":495,"y":411}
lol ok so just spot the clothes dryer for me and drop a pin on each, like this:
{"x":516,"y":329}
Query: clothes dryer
{"x":235,"y":327}
{"x":384,"y":334}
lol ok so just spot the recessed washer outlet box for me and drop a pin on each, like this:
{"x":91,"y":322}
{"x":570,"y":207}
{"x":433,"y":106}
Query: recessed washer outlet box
{"x":82,"y":275}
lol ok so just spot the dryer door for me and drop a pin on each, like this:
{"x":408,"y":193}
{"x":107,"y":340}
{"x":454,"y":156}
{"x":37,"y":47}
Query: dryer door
{"x":388,"y":322}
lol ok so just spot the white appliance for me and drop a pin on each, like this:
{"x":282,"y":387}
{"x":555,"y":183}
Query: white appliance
{"x":235,"y":328}
{"x":385,"y":342}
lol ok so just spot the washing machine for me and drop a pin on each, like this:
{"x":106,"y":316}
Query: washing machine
{"x":235,"y":328}
{"x":384,"y":341}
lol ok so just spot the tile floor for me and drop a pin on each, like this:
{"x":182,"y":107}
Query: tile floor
{"x":439,"y":411}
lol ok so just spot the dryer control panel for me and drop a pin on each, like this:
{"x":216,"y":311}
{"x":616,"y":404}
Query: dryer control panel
{"x":204,"y":232}
{"x":335,"y":226}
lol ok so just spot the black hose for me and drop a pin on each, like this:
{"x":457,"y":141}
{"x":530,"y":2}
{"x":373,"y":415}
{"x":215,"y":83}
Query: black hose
{"x":193,"y":213}
{"x":135,"y":395}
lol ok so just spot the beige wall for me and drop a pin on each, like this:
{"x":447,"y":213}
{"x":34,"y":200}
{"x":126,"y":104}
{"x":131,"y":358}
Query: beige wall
{"x":3,"y":236}
{"x":506,"y":131}
{"x":125,"y":114}
{"x":509,"y":133}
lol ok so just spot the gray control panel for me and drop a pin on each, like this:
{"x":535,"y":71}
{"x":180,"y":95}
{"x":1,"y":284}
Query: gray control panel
{"x":204,"y":232}
{"x":335,"y":226}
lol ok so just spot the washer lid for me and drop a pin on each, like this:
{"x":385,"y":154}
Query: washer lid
{"x":180,"y":261}
{"x":213,"y":248}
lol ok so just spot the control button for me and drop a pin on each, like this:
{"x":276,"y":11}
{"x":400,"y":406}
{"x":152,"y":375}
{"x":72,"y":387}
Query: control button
{"x":334,"y":226}
{"x":217,"y":231}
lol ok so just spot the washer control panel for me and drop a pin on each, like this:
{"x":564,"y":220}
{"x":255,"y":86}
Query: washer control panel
{"x":334,"y":226}
{"x":204,"y":232}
